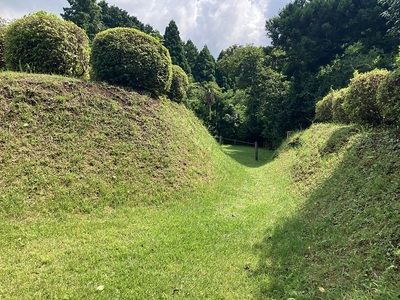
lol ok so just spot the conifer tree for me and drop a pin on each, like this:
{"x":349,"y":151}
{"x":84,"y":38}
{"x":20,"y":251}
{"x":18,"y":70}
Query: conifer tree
{"x":204,"y":68}
{"x":191,"y":53}
{"x":174,"y":44}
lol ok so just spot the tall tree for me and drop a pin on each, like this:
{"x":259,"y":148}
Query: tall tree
{"x":239,"y":65}
{"x":204,"y":68}
{"x":249,"y":69}
{"x":86,"y":14}
{"x":191,"y":53}
{"x":174,"y":44}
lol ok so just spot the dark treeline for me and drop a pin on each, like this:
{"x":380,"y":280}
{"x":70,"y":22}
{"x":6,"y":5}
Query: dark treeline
{"x":258,"y":93}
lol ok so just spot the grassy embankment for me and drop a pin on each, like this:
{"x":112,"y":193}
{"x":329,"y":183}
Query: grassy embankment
{"x":111,"y":195}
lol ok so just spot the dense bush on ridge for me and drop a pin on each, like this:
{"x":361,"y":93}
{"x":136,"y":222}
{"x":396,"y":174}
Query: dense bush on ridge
{"x":323,"y":108}
{"x":2,"y":34}
{"x":180,"y":84}
{"x":330,"y":108}
{"x":131,"y":58}
{"x":372,"y":98}
{"x":338,"y":113}
{"x":388,"y":98}
{"x":44,"y":43}
{"x":360,"y":102}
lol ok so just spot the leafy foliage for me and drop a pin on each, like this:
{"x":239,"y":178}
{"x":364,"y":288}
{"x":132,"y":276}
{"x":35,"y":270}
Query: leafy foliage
{"x":131,"y":58}
{"x":388,"y":98}
{"x":180,"y":84}
{"x":191,"y":53}
{"x":268,"y":108}
{"x":238,"y":66}
{"x":323,"y":108}
{"x":392,"y":14}
{"x":2,"y":35}
{"x":204,"y":68}
{"x":94,"y":17}
{"x":314,"y":35}
{"x":44,"y":43}
{"x":247,"y":68}
{"x":223,"y":113}
{"x":312,"y":32}
{"x":330,"y":108}
{"x":360,"y":104}
{"x":86,"y":14}
{"x":174,"y":44}
{"x":398,"y":59}
{"x":338,"y":113}
{"x":112,"y":16}
{"x":356,"y":57}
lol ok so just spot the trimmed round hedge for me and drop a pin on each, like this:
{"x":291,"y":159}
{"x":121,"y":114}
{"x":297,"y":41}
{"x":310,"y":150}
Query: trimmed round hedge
{"x":2,"y":35}
{"x":388,"y":98}
{"x":180,"y":84}
{"x":131,"y":58}
{"x":360,"y":103}
{"x":44,"y":43}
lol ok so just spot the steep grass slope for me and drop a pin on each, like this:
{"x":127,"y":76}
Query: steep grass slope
{"x":72,"y":146}
{"x":344,"y":240}
{"x":319,"y":220}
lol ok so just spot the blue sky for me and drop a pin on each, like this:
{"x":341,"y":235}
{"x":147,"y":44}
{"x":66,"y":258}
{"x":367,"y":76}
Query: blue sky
{"x":215,"y":23}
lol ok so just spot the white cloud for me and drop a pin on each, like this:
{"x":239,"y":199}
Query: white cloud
{"x":217,"y":23}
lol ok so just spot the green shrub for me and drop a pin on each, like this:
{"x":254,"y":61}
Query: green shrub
{"x":131,"y":58}
{"x":360,"y":102}
{"x":338,"y":113}
{"x":323,"y":108}
{"x":2,"y":35}
{"x":180,"y":84}
{"x":388,"y":98}
{"x":44,"y":43}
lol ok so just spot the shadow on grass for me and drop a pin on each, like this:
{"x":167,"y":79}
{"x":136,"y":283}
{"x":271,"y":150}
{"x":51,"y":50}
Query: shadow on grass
{"x":344,"y":243}
{"x":246,"y":155}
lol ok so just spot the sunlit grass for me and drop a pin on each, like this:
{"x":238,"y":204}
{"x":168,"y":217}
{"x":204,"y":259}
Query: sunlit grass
{"x":203,"y":246}
{"x":132,"y":199}
{"x":341,"y":243}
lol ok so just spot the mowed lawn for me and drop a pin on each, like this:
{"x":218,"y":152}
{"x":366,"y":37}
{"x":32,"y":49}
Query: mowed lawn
{"x":206,"y":246}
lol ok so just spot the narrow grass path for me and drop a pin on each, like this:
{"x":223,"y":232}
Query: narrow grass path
{"x":206,"y":247}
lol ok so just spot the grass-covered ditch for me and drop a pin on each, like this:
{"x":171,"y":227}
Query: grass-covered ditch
{"x":109,"y":194}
